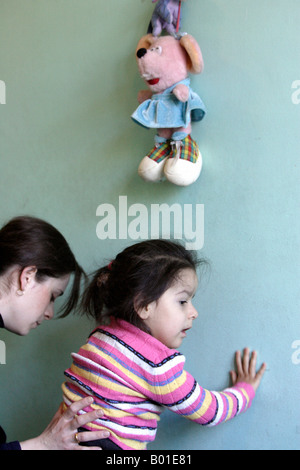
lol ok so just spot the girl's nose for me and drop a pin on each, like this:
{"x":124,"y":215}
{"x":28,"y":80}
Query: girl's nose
{"x":193,"y":313}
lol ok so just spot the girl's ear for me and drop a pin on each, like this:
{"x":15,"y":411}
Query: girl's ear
{"x":143,"y":312}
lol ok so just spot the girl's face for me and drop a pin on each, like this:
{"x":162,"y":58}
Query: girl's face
{"x":36,"y":304}
{"x":172,"y":315}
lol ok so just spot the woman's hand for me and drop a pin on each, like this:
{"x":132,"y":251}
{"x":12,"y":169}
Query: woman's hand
{"x":61,"y":434}
{"x":246,"y":369}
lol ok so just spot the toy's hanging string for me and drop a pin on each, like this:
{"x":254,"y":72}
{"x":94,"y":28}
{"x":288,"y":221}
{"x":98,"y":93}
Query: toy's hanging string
{"x":178,"y":19}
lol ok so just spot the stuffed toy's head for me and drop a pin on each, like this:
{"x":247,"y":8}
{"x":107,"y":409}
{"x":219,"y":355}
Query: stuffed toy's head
{"x":165,"y":60}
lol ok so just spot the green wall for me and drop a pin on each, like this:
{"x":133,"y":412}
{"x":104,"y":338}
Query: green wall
{"x":69,"y":83}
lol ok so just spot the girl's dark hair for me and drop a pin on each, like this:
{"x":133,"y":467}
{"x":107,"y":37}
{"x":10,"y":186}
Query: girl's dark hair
{"x":138,"y":276}
{"x":29,"y":241}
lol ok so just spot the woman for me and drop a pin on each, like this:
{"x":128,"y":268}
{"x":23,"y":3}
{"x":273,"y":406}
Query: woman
{"x":36,"y":265}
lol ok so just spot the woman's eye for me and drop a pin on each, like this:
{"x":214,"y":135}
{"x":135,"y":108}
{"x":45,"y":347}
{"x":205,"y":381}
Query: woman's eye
{"x":182,"y":302}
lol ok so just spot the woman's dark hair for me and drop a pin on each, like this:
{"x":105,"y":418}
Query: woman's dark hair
{"x":138,"y":276}
{"x":29,"y":241}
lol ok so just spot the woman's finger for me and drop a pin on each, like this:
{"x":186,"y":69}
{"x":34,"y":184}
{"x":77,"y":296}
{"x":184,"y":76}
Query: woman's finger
{"x":92,"y":436}
{"x":81,"y":420}
{"x":76,"y":407}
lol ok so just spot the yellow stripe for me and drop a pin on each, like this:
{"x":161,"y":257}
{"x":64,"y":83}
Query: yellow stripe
{"x":230,"y":407}
{"x":246,"y":395}
{"x":103,"y":382}
{"x":204,"y":407}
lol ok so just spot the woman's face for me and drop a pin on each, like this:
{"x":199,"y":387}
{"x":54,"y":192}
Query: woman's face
{"x":34,"y":304}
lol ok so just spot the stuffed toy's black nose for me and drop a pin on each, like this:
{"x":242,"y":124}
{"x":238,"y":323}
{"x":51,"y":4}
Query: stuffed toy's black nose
{"x":141,"y":52}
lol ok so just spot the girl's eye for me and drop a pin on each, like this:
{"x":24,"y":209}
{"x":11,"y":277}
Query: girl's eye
{"x":182,"y":302}
{"x":52,"y":298}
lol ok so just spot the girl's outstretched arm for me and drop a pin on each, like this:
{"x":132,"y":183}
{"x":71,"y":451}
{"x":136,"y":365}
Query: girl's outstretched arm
{"x":183,"y":395}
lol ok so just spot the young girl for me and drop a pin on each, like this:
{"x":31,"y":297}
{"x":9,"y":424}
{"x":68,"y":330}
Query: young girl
{"x":142,"y":303}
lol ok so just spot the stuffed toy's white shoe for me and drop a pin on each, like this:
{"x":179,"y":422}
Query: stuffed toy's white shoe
{"x":185,"y":163}
{"x":151,"y":168}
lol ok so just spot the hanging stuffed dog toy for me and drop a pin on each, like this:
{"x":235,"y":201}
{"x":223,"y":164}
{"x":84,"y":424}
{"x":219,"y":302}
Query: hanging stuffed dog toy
{"x":169,"y":105}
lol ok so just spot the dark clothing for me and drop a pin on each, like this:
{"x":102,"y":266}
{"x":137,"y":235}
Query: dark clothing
{"x":11,"y":445}
{"x":105,"y":444}
{"x":3,"y":445}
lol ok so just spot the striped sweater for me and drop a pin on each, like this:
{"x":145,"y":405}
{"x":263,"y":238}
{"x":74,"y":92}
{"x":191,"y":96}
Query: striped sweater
{"x":133,"y":377}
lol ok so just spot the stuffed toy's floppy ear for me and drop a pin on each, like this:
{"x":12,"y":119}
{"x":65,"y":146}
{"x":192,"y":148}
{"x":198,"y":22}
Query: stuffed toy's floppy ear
{"x":195,"y":62}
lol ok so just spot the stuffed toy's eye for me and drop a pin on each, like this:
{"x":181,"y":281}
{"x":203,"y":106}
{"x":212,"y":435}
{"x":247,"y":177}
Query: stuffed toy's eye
{"x":157,"y":49}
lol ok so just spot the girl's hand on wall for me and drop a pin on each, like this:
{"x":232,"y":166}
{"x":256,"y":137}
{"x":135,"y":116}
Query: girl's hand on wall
{"x":246,"y":369}
{"x":61,"y":434}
